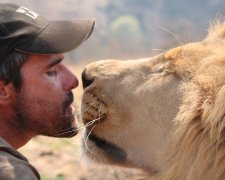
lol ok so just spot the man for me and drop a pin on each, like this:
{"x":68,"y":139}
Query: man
{"x":35,"y":87}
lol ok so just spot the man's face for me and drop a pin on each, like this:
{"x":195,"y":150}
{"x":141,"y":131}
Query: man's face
{"x":43,"y":105}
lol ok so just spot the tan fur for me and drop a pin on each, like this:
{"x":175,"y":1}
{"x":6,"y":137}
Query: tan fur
{"x":167,"y":112}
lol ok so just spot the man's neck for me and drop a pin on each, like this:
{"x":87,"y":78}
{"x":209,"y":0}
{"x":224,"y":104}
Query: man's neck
{"x":15,"y":142}
{"x":13,"y":134}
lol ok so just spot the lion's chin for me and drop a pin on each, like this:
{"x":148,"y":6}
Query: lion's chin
{"x":100,"y":150}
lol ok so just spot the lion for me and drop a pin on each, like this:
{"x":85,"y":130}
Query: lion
{"x":164,"y":114}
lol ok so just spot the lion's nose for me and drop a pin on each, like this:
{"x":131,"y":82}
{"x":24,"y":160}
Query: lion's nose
{"x":85,"y":80}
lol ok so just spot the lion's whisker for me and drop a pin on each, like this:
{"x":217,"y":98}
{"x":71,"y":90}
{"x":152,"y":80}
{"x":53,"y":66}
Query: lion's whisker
{"x":85,"y":141}
{"x":90,"y":123}
{"x":77,"y":111}
{"x":64,"y":131}
{"x":156,"y":49}
{"x":179,"y":41}
{"x":94,"y":120}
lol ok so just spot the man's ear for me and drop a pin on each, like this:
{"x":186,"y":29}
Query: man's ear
{"x":7,"y":92}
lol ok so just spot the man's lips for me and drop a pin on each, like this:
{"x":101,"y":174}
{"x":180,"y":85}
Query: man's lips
{"x":71,"y":109}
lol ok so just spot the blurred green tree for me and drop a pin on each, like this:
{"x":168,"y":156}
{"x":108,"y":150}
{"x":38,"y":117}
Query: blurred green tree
{"x":126,"y":26}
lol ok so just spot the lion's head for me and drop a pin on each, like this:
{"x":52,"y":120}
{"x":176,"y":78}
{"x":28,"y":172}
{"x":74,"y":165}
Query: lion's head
{"x":164,"y":114}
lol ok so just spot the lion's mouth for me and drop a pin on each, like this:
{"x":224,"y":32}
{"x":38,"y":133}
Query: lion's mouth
{"x":94,"y":114}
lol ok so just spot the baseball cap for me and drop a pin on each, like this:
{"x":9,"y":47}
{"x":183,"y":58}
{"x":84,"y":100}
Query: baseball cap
{"x":24,"y":30}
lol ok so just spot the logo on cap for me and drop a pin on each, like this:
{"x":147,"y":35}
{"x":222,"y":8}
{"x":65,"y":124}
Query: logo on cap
{"x":28,"y":12}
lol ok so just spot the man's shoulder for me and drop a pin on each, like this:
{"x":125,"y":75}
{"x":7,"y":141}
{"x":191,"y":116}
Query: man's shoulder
{"x":7,"y":149}
{"x":13,"y":165}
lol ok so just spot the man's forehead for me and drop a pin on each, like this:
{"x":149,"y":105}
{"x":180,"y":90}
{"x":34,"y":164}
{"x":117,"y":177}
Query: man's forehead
{"x":46,"y":59}
{"x":38,"y":62}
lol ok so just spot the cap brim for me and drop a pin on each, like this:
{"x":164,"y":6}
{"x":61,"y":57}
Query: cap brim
{"x":59,"y":37}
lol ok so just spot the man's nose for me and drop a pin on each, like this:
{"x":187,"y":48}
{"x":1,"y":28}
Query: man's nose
{"x":70,"y":81}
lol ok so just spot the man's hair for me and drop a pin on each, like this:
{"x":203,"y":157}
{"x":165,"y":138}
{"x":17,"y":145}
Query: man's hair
{"x":10,"y":68}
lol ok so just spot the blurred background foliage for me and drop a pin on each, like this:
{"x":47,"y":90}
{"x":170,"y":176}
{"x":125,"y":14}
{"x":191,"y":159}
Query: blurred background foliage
{"x":133,"y":28}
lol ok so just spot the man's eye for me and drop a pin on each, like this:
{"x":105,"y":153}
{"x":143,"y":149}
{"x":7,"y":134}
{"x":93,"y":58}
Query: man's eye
{"x":51,"y":73}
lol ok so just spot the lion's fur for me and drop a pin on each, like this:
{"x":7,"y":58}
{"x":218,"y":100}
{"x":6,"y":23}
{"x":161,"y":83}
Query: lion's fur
{"x":196,"y":148}
{"x":198,"y":143}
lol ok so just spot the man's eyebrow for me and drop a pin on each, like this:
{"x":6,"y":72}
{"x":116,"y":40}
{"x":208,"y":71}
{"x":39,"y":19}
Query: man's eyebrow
{"x":54,"y":62}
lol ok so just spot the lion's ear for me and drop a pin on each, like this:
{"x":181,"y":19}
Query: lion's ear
{"x":216,"y":30}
